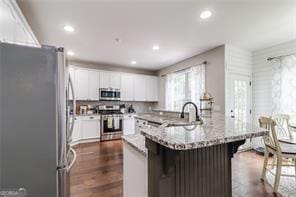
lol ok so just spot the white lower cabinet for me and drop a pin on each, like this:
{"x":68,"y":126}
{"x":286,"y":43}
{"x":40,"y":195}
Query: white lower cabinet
{"x":76,"y":135}
{"x":135,"y":172}
{"x":91,"y":127}
{"x":86,"y":129}
{"x":128,"y":125}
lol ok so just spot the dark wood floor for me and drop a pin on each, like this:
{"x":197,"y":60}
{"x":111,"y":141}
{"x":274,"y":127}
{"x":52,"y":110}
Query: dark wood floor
{"x":98,"y":172}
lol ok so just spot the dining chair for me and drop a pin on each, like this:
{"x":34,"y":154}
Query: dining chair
{"x":279,"y":150}
{"x":282,"y":126}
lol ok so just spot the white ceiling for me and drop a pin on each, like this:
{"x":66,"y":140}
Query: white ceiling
{"x":174,"y":25}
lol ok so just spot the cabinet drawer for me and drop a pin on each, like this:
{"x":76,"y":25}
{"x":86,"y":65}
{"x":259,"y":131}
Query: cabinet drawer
{"x":92,"y":118}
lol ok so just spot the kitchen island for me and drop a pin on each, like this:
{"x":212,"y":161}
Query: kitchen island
{"x":194,"y":160}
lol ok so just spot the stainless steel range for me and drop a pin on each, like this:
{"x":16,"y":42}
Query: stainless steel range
{"x":111,"y":122}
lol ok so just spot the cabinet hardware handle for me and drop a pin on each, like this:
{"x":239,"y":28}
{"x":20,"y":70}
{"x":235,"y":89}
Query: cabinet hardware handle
{"x":91,"y":117}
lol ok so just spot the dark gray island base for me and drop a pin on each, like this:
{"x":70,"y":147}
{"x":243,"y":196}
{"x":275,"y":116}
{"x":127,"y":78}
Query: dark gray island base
{"x":194,"y":162}
{"x":190,"y":173}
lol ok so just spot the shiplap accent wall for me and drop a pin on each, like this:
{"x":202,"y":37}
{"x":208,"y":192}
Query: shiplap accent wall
{"x":262,"y":78}
{"x":237,"y":61}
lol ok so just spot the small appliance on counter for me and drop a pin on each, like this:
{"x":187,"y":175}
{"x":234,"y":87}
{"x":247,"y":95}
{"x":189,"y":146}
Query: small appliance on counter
{"x":86,"y":110}
{"x":122,"y":108}
{"x":111,"y":122}
{"x":131,"y":109}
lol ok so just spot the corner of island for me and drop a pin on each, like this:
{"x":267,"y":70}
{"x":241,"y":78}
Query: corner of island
{"x":192,"y":159}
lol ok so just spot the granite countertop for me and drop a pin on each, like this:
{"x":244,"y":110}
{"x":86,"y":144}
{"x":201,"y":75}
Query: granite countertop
{"x":214,"y":131}
{"x":137,"y":141}
{"x":169,"y":121}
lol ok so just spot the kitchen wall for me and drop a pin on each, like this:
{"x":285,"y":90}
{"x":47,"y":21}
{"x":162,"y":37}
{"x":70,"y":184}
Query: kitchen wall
{"x":108,"y":67}
{"x":140,"y":107}
{"x":215,"y":74}
{"x":262,"y":78}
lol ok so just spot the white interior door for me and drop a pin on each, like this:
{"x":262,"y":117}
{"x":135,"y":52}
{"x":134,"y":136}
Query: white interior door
{"x":241,"y":97}
{"x":241,"y":102}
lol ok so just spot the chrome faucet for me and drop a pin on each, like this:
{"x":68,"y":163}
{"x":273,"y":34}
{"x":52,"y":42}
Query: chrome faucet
{"x":196,"y":110}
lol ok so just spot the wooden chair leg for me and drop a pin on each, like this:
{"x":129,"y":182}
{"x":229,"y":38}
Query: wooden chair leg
{"x":273,"y":161}
{"x":263,"y":176}
{"x":295,"y":167}
{"x":278,"y":174}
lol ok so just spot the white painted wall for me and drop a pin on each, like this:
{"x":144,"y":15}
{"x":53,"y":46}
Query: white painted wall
{"x":115,"y":68}
{"x":237,"y":61}
{"x":215,"y":74}
{"x":262,"y":78}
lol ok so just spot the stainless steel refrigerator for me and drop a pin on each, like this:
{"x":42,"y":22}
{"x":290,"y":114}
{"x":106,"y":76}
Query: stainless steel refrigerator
{"x":35,"y":120}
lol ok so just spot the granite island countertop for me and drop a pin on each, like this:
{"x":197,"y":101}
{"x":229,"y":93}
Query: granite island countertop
{"x":137,"y":141}
{"x":162,"y":119}
{"x":216,"y":130}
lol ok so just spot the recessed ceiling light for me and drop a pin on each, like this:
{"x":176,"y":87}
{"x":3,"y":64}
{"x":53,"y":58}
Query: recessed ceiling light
{"x":155,"y":47}
{"x":69,"y":28}
{"x":206,"y":14}
{"x":71,"y":53}
{"x":133,"y":62}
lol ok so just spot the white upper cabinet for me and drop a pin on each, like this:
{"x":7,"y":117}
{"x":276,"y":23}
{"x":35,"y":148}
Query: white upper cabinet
{"x":16,"y":28}
{"x":140,"y":88}
{"x":82,"y":84}
{"x":94,"y":85}
{"x":151,"y":88}
{"x":104,"y":80}
{"x":127,"y":87}
{"x":133,"y":87}
{"x":115,"y":81}
{"x":110,"y":80}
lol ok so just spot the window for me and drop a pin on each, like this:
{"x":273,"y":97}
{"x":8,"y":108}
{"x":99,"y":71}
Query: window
{"x":183,"y":86}
{"x":284,"y":86}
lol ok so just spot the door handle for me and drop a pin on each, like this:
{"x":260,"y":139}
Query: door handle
{"x":232,"y":116}
{"x":74,"y":108}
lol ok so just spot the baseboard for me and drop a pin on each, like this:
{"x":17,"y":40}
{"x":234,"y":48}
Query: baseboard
{"x":84,"y":141}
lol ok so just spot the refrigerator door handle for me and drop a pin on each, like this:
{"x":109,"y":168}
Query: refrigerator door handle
{"x":61,"y":106}
{"x":71,"y":129}
{"x":73,"y":160}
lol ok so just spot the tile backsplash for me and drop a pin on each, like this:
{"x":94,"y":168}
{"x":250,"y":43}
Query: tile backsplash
{"x":140,"y":107}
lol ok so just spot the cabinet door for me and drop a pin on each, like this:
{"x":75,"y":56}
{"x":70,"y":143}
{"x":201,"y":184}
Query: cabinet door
{"x":81,"y":82}
{"x":7,"y":22}
{"x":115,"y":80}
{"x":151,"y":88}
{"x":127,"y":87}
{"x":76,"y":135}
{"x":129,"y":125}
{"x":90,"y":128}
{"x":94,"y":85}
{"x":105,"y":80}
{"x":140,"y":87}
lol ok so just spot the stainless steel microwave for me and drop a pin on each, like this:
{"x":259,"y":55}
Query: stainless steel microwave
{"x":109,"y":94}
